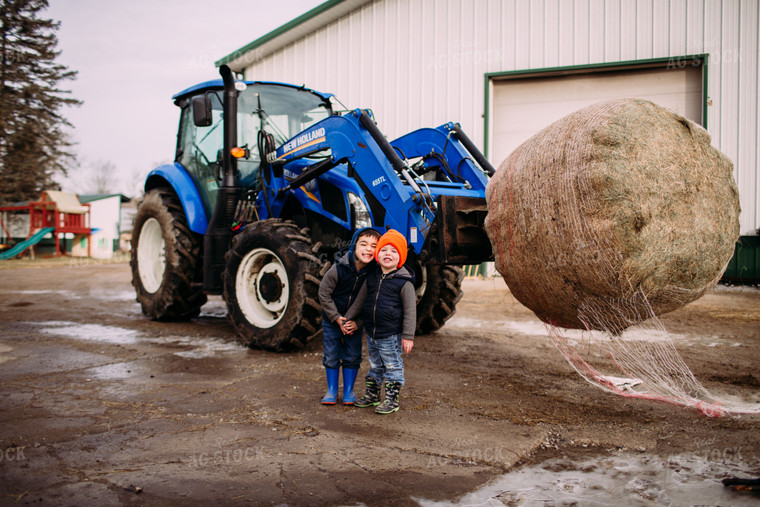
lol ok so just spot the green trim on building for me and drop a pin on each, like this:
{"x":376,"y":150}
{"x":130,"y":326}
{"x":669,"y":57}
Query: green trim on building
{"x":745,"y":264}
{"x":679,"y":61}
{"x":705,"y":96}
{"x":316,"y":11}
{"x":476,"y":270}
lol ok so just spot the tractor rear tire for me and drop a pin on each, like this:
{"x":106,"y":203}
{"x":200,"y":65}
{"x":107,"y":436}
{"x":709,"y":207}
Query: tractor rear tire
{"x":166,"y":257}
{"x":271,"y":283}
{"x":438,"y":292}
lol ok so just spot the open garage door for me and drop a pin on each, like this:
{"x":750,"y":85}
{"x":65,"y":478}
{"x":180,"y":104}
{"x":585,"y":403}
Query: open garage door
{"x":523,"y":104}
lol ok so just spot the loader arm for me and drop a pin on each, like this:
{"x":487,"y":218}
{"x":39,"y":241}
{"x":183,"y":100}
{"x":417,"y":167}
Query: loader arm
{"x":397,"y":196}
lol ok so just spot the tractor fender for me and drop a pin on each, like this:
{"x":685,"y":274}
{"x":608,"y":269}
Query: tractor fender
{"x":178,"y":178}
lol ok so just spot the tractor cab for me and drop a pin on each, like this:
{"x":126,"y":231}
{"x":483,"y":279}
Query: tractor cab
{"x":278,"y":109}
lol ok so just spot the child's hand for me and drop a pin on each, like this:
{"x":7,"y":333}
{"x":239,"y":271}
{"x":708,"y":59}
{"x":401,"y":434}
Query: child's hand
{"x":348,"y":326}
{"x":407,"y":345}
{"x":341,"y":321}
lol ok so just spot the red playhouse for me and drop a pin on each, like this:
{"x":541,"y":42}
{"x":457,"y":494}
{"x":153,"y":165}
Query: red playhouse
{"x":55,"y":213}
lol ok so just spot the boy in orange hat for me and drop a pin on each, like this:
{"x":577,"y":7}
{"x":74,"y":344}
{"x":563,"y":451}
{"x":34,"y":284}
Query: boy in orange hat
{"x":389,"y":312}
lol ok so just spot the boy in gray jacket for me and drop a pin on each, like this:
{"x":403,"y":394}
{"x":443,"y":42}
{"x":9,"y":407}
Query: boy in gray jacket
{"x":342,"y":339}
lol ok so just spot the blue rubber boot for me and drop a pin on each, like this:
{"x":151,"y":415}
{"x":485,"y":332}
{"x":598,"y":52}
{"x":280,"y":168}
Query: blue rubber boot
{"x":333,"y":376}
{"x":349,"y":377}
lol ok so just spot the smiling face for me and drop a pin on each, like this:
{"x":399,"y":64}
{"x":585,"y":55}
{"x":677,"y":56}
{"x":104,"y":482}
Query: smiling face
{"x":364,"y":251}
{"x":388,"y":258}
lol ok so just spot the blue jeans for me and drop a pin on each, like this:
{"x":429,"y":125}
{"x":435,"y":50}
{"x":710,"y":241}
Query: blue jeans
{"x":385,"y":362}
{"x":341,"y":349}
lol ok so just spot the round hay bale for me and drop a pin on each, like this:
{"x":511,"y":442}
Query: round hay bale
{"x":622,"y":206}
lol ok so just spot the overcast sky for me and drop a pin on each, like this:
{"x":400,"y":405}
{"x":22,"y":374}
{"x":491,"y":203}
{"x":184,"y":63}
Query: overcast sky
{"x":132,"y":56}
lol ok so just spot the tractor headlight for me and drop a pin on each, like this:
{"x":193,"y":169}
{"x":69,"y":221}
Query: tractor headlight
{"x":359,"y":211}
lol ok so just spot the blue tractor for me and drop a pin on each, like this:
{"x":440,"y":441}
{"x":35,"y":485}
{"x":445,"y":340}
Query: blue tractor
{"x":270,"y":181}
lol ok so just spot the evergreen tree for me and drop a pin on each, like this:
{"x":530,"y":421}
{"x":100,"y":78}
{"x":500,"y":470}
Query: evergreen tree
{"x":33,"y":144}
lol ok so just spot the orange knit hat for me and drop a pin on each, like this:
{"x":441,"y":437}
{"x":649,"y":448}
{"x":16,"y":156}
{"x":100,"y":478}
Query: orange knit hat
{"x":397,"y":241}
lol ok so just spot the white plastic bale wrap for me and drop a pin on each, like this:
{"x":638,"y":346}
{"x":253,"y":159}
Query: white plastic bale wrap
{"x":617,"y":211}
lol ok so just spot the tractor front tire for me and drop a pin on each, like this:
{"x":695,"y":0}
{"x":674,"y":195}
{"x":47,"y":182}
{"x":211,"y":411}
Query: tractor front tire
{"x":271,"y":283}
{"x":439,"y":289}
{"x":166,"y":257}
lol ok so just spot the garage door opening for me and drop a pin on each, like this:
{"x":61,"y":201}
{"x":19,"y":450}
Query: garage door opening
{"x":523,"y":103}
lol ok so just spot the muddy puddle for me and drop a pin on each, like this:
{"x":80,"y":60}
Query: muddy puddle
{"x":620,"y":479}
{"x":90,"y":332}
{"x":188,"y":346}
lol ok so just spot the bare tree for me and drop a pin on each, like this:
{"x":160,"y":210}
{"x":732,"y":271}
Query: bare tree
{"x":103,"y":178}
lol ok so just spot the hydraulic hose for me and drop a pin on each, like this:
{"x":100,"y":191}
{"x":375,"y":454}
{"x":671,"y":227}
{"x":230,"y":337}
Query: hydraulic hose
{"x":474,"y":151}
{"x":390,"y":153}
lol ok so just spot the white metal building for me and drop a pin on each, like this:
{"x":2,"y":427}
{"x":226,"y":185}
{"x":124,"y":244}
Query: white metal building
{"x":504,"y":69}
{"x":105,"y":221}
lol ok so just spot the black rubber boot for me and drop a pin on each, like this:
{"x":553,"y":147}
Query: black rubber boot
{"x":372,"y":397}
{"x":390,"y":404}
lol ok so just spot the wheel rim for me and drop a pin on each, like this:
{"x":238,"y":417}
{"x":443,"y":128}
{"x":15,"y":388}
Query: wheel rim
{"x":262,"y":288}
{"x":151,"y":255}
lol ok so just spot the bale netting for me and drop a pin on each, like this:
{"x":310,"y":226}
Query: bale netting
{"x":613,"y":213}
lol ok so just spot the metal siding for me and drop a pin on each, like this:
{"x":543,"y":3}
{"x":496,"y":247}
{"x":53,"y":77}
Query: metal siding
{"x":712,"y":31}
{"x":536,"y":38}
{"x":416,"y":63}
{"x":551,"y":33}
{"x":747,"y":110}
{"x":480,"y":59}
{"x":333,"y":53}
{"x":729,"y":73}
{"x":581,"y":25}
{"x":660,"y":28}
{"x":521,"y":25}
{"x":677,"y":43}
{"x":494,"y":33}
{"x":403,"y":54}
{"x":454,"y":52}
{"x":566,"y":34}
{"x":644,"y":29}
{"x":628,"y":27}
{"x":509,"y":45}
{"x":756,"y":186}
{"x":457,"y":92}
{"x":695,"y":19}
{"x":612,"y":31}
{"x":596,"y":31}
{"x":422,"y":62}
{"x":430,"y":65}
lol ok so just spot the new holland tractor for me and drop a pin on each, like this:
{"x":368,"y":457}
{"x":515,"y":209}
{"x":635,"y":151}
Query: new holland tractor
{"x":270,"y":180}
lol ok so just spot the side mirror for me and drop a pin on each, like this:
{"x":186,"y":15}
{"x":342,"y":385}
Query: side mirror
{"x":202,"y":111}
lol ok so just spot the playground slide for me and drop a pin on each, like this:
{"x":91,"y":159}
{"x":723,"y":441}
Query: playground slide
{"x":20,"y":247}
